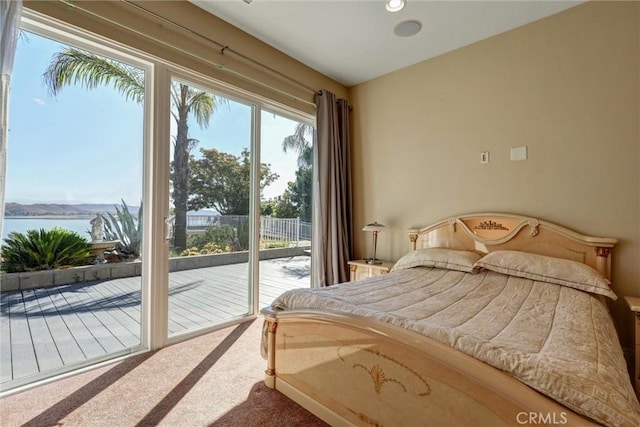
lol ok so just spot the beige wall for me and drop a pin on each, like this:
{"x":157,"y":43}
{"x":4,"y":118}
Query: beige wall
{"x":133,"y":27}
{"x":567,"y":87}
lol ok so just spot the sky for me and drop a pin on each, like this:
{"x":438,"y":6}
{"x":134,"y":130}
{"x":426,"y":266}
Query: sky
{"x":85,"y":146}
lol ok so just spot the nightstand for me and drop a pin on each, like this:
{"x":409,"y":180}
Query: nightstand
{"x":361,"y":270}
{"x":634,"y":304}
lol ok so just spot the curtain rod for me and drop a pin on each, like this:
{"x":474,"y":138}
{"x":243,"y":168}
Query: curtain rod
{"x":223,"y":49}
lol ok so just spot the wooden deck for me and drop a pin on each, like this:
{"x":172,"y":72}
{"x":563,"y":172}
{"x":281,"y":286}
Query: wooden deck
{"x":47,"y":329}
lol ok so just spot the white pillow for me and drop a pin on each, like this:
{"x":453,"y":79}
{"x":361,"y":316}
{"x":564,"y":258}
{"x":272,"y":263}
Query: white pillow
{"x":450,"y":259}
{"x":547,"y":269}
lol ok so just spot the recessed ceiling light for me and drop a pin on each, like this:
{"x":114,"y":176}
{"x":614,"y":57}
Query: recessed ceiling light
{"x":395,"y":5}
{"x":407,"y":28}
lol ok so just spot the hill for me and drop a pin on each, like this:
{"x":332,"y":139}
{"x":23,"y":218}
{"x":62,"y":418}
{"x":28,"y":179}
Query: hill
{"x":42,"y":209}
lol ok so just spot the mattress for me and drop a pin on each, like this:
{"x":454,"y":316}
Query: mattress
{"x":558,"y":340}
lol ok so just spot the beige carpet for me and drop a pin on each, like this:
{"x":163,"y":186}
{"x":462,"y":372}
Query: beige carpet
{"x":212,"y":380}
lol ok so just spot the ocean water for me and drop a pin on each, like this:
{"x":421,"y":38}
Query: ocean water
{"x":21,"y":225}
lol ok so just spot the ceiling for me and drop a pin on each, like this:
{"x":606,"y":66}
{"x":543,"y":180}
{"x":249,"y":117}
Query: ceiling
{"x":352,"y":41}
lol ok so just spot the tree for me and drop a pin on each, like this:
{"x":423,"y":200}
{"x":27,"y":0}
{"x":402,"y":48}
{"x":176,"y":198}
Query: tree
{"x":202,"y":105}
{"x":302,"y":192}
{"x":299,"y":193}
{"x":299,"y":143}
{"x":267,"y":207}
{"x":222,"y":181}
{"x":72,"y":66}
{"x":284,"y":206}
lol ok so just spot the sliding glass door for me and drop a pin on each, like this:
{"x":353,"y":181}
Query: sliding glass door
{"x":71,"y":249}
{"x":240,"y":205}
{"x":184,"y":214}
{"x":285,"y":207}
{"x":210,"y":185}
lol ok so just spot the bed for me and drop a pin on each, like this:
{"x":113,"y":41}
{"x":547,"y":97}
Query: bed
{"x":490,"y":319}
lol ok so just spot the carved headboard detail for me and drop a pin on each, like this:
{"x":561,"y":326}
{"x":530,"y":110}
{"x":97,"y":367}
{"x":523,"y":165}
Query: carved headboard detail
{"x":487,"y":232}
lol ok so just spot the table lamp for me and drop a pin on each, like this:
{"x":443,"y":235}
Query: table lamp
{"x":375,"y":228}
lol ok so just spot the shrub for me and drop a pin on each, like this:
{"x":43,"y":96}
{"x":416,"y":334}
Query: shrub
{"x":207,"y":249}
{"x":44,"y":250}
{"x":221,"y":236}
{"x":219,"y":239}
{"x":274,"y":244}
{"x":243,"y":235}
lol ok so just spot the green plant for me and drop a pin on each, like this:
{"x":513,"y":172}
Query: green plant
{"x":125,"y":228}
{"x":242,"y":234}
{"x":44,"y":250}
{"x":274,"y":244}
{"x":189,"y":252}
{"x":221,"y":236}
{"x":207,"y":249}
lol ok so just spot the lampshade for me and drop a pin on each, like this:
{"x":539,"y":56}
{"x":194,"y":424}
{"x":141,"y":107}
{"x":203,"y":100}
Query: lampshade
{"x":374,"y":226}
{"x":395,"y":5}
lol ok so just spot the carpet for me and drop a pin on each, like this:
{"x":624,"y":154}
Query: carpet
{"x":211,"y":380}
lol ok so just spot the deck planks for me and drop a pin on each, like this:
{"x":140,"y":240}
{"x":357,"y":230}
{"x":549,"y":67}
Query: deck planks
{"x":86,"y":340}
{"x":23,"y":355}
{"x":50,"y":328}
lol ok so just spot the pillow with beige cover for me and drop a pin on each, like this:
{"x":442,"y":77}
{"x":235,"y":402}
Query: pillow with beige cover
{"x":449,"y":259}
{"x":547,"y":269}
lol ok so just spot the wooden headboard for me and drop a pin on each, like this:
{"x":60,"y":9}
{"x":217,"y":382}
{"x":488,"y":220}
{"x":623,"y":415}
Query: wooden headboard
{"x":487,"y":232}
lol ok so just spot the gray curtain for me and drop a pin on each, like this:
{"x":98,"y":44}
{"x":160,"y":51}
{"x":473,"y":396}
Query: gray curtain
{"x":333,"y":229}
{"x":9,"y":30}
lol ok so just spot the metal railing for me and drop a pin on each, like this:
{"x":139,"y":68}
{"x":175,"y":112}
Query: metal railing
{"x":291,"y":230}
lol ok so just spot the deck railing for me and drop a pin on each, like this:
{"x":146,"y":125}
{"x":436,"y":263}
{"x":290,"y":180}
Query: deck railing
{"x":292,"y":230}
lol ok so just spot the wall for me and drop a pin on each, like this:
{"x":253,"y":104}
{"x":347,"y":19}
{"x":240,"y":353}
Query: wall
{"x":565,"y":86}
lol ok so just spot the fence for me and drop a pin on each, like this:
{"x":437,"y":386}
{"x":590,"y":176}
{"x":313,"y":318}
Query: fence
{"x":291,"y":230}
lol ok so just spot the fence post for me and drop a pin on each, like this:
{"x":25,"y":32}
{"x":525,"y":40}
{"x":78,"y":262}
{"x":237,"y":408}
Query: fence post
{"x":297,"y":232}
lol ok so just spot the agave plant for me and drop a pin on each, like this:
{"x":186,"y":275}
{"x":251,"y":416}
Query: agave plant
{"x":125,"y":228}
{"x":43,"y":250}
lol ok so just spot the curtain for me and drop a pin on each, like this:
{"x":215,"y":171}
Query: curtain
{"x":9,"y":25}
{"x":333,"y":219}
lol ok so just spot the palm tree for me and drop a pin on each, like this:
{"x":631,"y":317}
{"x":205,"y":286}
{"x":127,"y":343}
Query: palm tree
{"x":299,"y":143}
{"x":74,"y":66}
{"x":300,"y":192}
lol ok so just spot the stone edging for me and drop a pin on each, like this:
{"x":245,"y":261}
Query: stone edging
{"x":49,"y":278}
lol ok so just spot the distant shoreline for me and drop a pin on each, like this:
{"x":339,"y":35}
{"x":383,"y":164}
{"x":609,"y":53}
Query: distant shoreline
{"x":49,"y":216}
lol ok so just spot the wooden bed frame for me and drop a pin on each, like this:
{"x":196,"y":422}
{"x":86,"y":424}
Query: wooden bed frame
{"x":349,"y":370}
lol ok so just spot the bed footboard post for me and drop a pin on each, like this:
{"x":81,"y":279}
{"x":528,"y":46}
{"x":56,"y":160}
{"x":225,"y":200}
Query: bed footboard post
{"x":270,"y":372}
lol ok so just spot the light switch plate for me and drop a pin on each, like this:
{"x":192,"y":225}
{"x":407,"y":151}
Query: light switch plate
{"x":519,"y":153}
{"x":484,"y":157}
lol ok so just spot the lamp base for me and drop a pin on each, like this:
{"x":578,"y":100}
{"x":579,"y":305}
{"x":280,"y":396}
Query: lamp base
{"x":372,"y":261}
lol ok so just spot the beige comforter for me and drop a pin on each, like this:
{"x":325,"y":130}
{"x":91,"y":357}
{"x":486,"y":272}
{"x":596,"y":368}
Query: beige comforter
{"x":557,"y":340}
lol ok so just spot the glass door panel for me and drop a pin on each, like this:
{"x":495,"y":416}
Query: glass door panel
{"x":71,"y":267}
{"x":210,"y":185}
{"x":285,"y":213}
